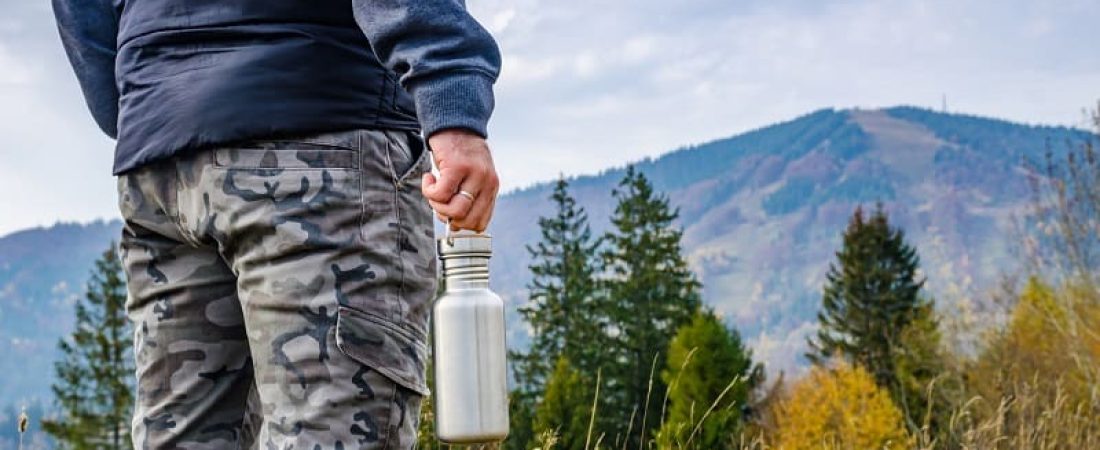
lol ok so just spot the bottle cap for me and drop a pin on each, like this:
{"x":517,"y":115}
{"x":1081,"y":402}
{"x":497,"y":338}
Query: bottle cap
{"x":465,"y":243}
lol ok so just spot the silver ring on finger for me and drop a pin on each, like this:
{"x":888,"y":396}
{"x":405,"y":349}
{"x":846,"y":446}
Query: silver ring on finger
{"x":467,"y":194}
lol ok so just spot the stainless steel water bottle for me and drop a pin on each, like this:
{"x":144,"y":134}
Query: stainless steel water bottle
{"x":471,"y":391}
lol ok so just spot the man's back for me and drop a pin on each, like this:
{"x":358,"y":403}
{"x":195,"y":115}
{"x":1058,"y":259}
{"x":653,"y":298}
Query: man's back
{"x":239,"y":70}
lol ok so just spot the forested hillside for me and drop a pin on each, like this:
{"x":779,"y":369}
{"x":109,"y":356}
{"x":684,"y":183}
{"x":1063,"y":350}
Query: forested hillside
{"x":42,"y":272}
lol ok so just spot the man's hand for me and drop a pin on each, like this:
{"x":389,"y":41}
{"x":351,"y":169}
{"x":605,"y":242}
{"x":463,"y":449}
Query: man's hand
{"x":466,"y":189}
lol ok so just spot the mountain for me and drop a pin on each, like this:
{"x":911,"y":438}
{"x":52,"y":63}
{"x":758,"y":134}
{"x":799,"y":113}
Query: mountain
{"x":763,"y":211}
{"x":762,"y":214}
{"x":42,"y":273}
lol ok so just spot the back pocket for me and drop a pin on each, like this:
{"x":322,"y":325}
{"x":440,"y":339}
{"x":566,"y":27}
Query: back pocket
{"x":287,"y":154}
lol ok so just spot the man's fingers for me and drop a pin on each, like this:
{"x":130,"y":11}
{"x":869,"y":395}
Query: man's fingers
{"x":427,"y":180}
{"x":483,"y":222}
{"x":457,"y":209}
{"x":441,"y":188}
{"x":476,"y":219}
{"x":464,"y":164}
{"x":463,"y":211}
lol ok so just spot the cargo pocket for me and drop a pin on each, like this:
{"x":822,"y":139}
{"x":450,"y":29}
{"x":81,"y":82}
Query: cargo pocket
{"x":395,"y":352}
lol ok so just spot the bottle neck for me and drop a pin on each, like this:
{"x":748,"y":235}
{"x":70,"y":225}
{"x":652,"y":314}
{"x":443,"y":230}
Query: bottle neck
{"x":452,"y":284}
{"x":466,"y":272}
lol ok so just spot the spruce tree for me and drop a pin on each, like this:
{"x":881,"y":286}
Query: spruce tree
{"x":710,"y":377}
{"x":871,"y":296}
{"x":650,"y":293}
{"x":560,"y":307}
{"x":94,"y":387}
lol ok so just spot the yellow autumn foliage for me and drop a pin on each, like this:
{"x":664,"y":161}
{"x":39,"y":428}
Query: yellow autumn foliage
{"x":1049,"y":354}
{"x":839,"y":408}
{"x":1050,"y":339}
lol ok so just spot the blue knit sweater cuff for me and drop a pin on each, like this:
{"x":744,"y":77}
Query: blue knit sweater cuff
{"x":456,"y":100}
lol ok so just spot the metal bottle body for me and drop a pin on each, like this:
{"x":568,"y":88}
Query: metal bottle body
{"x":471,"y":391}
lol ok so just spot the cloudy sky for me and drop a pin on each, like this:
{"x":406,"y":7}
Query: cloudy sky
{"x":596,"y":83}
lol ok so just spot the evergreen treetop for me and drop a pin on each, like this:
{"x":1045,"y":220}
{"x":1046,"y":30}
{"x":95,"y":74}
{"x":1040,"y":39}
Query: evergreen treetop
{"x":871,"y":293}
{"x":870,"y":300}
{"x":94,"y":387}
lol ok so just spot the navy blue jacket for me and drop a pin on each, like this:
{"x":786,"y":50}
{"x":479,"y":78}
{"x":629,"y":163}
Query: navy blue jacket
{"x":166,"y":76}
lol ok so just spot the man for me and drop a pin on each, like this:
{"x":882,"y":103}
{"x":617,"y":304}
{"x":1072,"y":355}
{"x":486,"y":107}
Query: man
{"x":273,"y":183}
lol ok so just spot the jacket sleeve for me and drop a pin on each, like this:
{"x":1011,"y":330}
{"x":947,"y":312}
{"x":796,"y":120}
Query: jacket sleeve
{"x":443,"y":57}
{"x":89,"y":30}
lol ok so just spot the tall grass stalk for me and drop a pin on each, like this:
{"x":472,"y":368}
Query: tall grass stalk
{"x":676,"y":381}
{"x":648,"y":392}
{"x":629,"y":426}
{"x":702,"y":419}
{"x":592,"y":415}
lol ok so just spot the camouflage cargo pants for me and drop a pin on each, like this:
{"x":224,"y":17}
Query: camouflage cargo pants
{"x":281,"y":282}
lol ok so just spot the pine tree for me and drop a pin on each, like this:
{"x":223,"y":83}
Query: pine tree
{"x":710,"y":377}
{"x":565,"y":408}
{"x":650,"y":293}
{"x":560,"y":306}
{"x":871,"y":295}
{"x":94,"y":386}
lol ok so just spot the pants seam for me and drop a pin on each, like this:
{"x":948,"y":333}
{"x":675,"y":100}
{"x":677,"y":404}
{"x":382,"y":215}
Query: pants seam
{"x":362,"y":191}
{"x":178,"y":216}
{"x":401,"y":304}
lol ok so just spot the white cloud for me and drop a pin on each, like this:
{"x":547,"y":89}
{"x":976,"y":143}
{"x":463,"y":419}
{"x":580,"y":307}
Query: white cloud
{"x":523,"y":71}
{"x":54,"y":164}
{"x":650,"y":76}
{"x":783,"y":352}
{"x":13,"y":73}
{"x":500,"y":21}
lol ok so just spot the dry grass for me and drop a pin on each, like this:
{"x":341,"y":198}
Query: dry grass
{"x":1031,"y":419}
